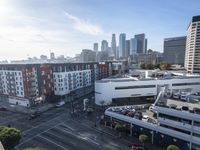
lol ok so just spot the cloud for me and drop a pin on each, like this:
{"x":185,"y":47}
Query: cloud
{"x":84,"y":26}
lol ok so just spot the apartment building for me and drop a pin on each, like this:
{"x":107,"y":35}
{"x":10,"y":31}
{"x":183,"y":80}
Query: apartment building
{"x":25,"y":84}
{"x":65,"y":82}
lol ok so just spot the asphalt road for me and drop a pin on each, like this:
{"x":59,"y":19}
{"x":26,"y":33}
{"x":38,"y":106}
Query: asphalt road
{"x":56,"y":129}
{"x":65,"y":133}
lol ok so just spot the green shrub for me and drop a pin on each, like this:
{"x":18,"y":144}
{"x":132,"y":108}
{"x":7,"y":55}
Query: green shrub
{"x":173,"y":147}
{"x":143,"y":138}
{"x":9,"y":137}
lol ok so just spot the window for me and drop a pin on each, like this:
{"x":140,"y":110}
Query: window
{"x":135,"y":87}
{"x":183,"y":84}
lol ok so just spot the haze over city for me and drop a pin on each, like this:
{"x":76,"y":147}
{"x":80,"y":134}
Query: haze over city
{"x":34,"y":27}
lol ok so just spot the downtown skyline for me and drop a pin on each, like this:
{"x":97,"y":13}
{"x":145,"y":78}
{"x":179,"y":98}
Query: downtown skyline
{"x":31,"y":28}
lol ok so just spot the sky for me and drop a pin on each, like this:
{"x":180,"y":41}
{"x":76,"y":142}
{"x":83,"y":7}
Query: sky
{"x":30,"y":28}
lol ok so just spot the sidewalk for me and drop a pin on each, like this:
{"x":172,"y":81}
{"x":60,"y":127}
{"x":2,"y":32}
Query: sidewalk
{"x":22,"y":109}
{"x":127,"y":139}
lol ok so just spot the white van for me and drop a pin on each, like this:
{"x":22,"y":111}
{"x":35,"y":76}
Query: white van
{"x":60,"y":104}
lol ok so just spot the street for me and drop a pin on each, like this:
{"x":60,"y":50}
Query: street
{"x":56,"y":129}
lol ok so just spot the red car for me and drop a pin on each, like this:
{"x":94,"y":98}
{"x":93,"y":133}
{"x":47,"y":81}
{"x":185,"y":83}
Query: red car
{"x":136,"y":147}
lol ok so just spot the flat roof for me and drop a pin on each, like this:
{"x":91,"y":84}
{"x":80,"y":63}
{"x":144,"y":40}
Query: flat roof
{"x":180,"y":103}
{"x":131,"y":79}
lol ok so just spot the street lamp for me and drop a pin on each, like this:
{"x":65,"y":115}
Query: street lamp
{"x":152,"y":136}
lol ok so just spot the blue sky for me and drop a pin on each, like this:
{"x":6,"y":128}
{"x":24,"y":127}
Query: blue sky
{"x":35,"y":27}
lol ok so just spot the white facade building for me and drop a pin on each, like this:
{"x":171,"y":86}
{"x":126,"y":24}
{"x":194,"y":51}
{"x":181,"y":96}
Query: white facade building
{"x":113,"y":88}
{"x":65,"y":82}
{"x":172,"y":124}
{"x":192,"y":53}
{"x":12,"y":83}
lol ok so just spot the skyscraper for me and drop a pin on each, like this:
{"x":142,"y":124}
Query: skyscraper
{"x":127,"y":49}
{"x":141,"y":43}
{"x":104,"y":45}
{"x":133,"y":46}
{"x":52,"y":55}
{"x":122,"y":45}
{"x":192,"y":54}
{"x":113,"y":46}
{"x":146,"y":42}
{"x":95,"y":48}
{"x":174,"y":50}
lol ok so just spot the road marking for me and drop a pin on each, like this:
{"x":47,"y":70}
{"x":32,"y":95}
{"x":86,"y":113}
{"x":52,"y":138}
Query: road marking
{"x":90,"y":140}
{"x":39,"y":134}
{"x":40,"y":124}
{"x":79,"y":136}
{"x":67,"y":126}
{"x":60,"y":137}
{"x":52,"y":142}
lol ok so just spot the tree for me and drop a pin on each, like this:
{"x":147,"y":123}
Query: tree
{"x":34,"y":148}
{"x":173,"y":147}
{"x":119,"y":128}
{"x":143,"y":138}
{"x":150,"y":66}
{"x":9,"y":137}
{"x":142,"y":66}
{"x":165,"y":66}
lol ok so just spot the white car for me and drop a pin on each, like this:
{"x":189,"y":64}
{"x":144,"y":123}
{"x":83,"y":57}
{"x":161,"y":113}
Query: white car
{"x":145,"y":118}
{"x":60,"y":104}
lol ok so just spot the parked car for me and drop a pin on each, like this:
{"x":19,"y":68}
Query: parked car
{"x":176,"y":95}
{"x":145,"y":118}
{"x":136,"y":147}
{"x":90,"y":110}
{"x":3,"y":109}
{"x":34,"y":115}
{"x":60,"y":104}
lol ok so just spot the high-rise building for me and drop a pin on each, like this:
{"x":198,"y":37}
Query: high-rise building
{"x":104,"y":45}
{"x":127,"y":49}
{"x":113,"y":45}
{"x":122,"y":45}
{"x":95,"y":47}
{"x":146,"y":42}
{"x":192,"y":54}
{"x":88,"y":56}
{"x":141,"y":43}
{"x":174,"y":50}
{"x":133,"y":46}
{"x":52,"y":55}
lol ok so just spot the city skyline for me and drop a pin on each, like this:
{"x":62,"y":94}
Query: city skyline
{"x":31,"y":28}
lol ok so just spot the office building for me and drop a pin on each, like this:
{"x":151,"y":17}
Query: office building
{"x":192,"y":54}
{"x":174,"y":50}
{"x":95,"y":47}
{"x":151,"y":57}
{"x":126,"y":89}
{"x":127,"y":49}
{"x":146,"y":42}
{"x":113,"y":46}
{"x":122,"y":45}
{"x":52,"y":55}
{"x":133,"y":46}
{"x":141,"y":43}
{"x":88,"y":56}
{"x":104,"y":46}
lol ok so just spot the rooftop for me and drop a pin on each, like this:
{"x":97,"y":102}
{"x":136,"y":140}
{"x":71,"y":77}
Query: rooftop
{"x":140,"y":112}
